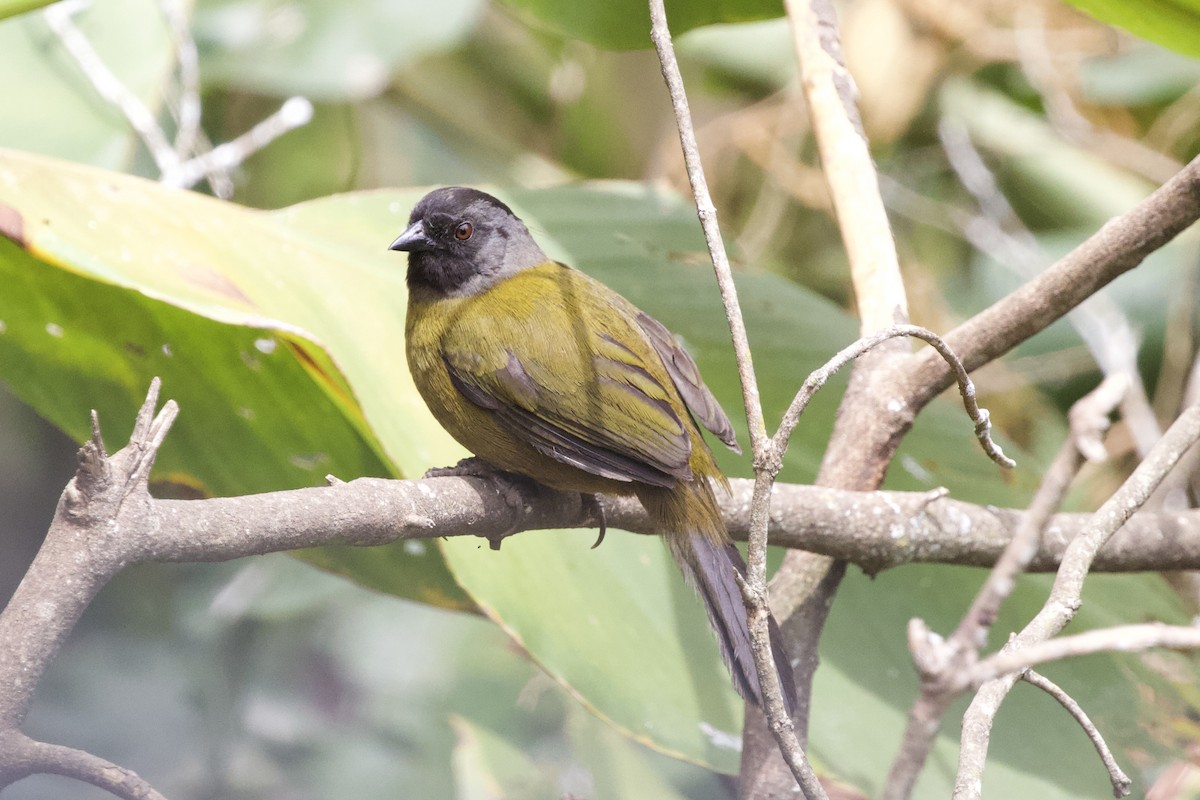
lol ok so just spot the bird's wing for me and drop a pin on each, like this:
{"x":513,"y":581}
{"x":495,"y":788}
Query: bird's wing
{"x":583,"y":399}
{"x":686,"y":376}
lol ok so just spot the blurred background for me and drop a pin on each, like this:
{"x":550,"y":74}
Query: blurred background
{"x":1005,"y":131}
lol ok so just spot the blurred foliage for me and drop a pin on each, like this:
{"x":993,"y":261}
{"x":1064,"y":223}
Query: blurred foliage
{"x":1173,"y":23}
{"x":270,"y":679}
{"x":622,"y":24}
{"x":10,"y":8}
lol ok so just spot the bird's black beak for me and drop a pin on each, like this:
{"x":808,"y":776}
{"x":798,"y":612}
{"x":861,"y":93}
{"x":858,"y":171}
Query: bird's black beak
{"x":413,"y":239}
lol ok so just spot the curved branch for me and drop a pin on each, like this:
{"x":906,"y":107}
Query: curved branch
{"x":1116,"y":776}
{"x":22,"y":756}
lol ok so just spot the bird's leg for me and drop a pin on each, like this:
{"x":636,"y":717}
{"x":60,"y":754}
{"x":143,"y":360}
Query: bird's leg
{"x":511,"y":486}
{"x":593,"y":506}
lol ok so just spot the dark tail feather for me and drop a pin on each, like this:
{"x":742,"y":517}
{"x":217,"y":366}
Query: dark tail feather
{"x":708,"y":566}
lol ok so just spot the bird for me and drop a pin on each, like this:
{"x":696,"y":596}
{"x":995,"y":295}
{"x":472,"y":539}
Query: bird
{"x":541,"y":370}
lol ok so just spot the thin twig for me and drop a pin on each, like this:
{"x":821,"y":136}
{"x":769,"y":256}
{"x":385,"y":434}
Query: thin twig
{"x":294,"y":113}
{"x":186,"y":56}
{"x":1089,"y":418}
{"x":1119,"y":639}
{"x":176,"y":164}
{"x":660,"y":34}
{"x":1120,"y":781}
{"x":60,"y":18}
{"x":820,"y":376}
{"x":766,"y":460}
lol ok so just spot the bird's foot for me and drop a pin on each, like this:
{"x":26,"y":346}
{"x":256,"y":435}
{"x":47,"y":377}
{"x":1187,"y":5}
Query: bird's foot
{"x":512,"y":487}
{"x":472,"y":467}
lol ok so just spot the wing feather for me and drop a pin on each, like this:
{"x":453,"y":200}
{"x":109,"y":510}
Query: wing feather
{"x":610,"y":394}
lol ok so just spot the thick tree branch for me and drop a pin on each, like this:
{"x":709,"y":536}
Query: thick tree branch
{"x":832,"y":98}
{"x":107,"y":520}
{"x":875,"y":530}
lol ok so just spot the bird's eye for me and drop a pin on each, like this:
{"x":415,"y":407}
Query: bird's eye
{"x":463,"y":231}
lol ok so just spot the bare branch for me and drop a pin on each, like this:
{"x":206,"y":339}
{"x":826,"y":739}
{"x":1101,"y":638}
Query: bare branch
{"x":60,"y":18}
{"x":1120,"y":639}
{"x":107,"y":520}
{"x":966,"y":388}
{"x":939,"y":661}
{"x":187,"y":111}
{"x":831,"y":94}
{"x":1120,"y":781}
{"x":22,"y":756}
{"x":1064,"y":599}
{"x":1090,"y":417}
{"x":175,"y":161}
{"x":942,"y":663}
{"x":875,"y":530}
{"x":765,"y":451}
{"x":660,"y":35}
{"x":294,"y":113}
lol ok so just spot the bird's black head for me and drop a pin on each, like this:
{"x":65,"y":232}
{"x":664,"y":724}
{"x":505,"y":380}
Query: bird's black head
{"x":462,"y":241}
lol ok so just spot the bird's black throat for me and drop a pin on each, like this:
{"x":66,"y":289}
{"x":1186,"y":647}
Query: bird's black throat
{"x":439,"y":272}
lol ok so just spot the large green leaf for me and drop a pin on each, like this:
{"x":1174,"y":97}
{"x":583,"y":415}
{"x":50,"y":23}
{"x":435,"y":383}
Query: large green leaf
{"x":241,"y":316}
{"x":117,"y":267}
{"x":621,"y":769}
{"x":625,"y":24}
{"x":1171,"y":23}
{"x":487,"y":766}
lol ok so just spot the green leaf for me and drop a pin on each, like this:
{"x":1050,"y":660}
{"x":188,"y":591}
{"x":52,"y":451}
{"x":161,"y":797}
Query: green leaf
{"x":1141,"y":75}
{"x":488,"y":767}
{"x":1171,"y":23}
{"x":252,"y":325}
{"x":618,"y":767}
{"x":625,"y":24}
